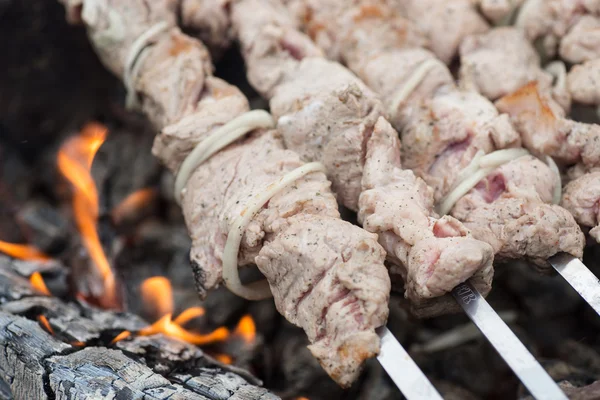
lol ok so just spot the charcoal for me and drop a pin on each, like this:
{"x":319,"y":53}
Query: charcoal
{"x":44,"y":226}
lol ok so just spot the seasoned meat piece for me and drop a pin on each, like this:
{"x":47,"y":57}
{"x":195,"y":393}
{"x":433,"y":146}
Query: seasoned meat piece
{"x":342,"y":38}
{"x":398,"y":206}
{"x":326,"y":113}
{"x":404,"y":79}
{"x":547,"y":21}
{"x":326,"y":274}
{"x":544,"y":129}
{"x":446,"y":132}
{"x":582,"y":42}
{"x":445,"y":22}
{"x":508,"y":210}
{"x":584,"y":82}
{"x":582,"y":198}
{"x":211,"y":20}
{"x":499,"y":62}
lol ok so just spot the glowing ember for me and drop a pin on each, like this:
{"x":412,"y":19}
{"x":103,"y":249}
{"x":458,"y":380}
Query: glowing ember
{"x":75,"y":162}
{"x":246,"y":329}
{"x":38,"y":283}
{"x":77,"y":343}
{"x":224,"y":358}
{"x":166,"y":326}
{"x":157,"y":295}
{"x":133,"y":203}
{"x":23,"y":251}
{"x":188,"y":315}
{"x":45,"y":324}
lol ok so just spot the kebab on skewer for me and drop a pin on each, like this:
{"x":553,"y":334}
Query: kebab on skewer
{"x":494,"y":63}
{"x":326,"y":113}
{"x":445,"y":130}
{"x":327,"y":275}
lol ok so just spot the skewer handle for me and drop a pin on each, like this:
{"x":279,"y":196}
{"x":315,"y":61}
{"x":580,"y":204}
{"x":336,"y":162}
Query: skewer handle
{"x":506,"y":343}
{"x":579,"y":277}
{"x":405,"y":373}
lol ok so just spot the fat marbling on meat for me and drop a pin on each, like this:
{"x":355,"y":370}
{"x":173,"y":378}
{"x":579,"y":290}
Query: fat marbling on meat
{"x":327,"y":114}
{"x":327,"y":276}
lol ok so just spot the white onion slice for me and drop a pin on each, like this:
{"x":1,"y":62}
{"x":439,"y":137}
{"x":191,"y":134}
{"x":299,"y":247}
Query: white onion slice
{"x":256,"y":290}
{"x":220,"y":138}
{"x":480,"y":167}
{"x":413,"y":81}
{"x":559,"y":71}
{"x":557,"y":194}
{"x":130,"y":70}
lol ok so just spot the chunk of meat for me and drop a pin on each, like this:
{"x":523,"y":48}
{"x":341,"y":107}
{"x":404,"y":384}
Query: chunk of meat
{"x":445,"y":133}
{"x":545,"y":131}
{"x":355,"y":31}
{"x":582,"y":42}
{"x":326,"y":114}
{"x":582,"y":198}
{"x":445,"y":23}
{"x":584,"y":82}
{"x":499,"y":62}
{"x":339,"y":300}
{"x":432,"y":255}
{"x":517,"y":221}
{"x":210,"y":21}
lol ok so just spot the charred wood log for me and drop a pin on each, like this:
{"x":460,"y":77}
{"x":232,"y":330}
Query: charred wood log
{"x":78,"y":360}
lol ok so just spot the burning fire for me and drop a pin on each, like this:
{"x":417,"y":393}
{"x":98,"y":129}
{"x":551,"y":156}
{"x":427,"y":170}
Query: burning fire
{"x":75,"y":162}
{"x":132,"y":204}
{"x":23,"y":252}
{"x":38,"y":283}
{"x":246,"y":329}
{"x":157,"y":292}
{"x":157,"y":295}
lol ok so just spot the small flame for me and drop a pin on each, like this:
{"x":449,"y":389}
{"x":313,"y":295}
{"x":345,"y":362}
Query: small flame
{"x":246,"y":329}
{"x":224,"y":358}
{"x":157,"y":295}
{"x":45,"y":324}
{"x":132,"y":203}
{"x":23,"y":252}
{"x":38,"y":283}
{"x":188,"y":315}
{"x":168,"y":327}
{"x":75,"y":162}
{"x":121,"y":336}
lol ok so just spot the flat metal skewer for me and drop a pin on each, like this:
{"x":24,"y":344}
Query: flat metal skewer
{"x":405,"y":373}
{"x":579,"y":277}
{"x":519,"y":359}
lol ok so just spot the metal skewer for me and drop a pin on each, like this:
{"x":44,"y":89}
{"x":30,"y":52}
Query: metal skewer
{"x":506,"y":343}
{"x":405,"y":373}
{"x":579,"y":277}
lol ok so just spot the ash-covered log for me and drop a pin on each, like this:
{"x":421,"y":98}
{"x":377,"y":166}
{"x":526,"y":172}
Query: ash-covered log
{"x":78,"y":360}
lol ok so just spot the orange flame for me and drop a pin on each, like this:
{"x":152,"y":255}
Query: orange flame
{"x":246,"y":329}
{"x":188,"y":315}
{"x":23,"y":251}
{"x":75,"y":162}
{"x":132,"y":203}
{"x":38,"y":283}
{"x":224,"y":358}
{"x":121,"y":336}
{"x":166,"y":326}
{"x":157,"y":295}
{"x":45,"y":324}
